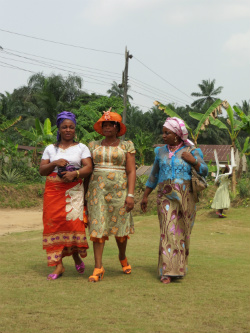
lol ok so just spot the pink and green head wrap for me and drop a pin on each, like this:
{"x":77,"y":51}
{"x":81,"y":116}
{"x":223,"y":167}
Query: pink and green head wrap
{"x":177,"y":126}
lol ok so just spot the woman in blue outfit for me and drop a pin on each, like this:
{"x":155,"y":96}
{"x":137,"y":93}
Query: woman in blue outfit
{"x":175,"y":201}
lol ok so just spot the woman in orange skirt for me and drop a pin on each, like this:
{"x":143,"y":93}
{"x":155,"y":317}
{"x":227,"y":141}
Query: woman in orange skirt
{"x":65,"y":164}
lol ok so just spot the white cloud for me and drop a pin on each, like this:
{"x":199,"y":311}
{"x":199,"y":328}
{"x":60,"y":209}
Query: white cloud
{"x":238,"y":48}
{"x":109,"y":11}
{"x":106,"y":12}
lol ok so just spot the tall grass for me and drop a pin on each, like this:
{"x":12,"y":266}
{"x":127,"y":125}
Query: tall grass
{"x":212,"y":298}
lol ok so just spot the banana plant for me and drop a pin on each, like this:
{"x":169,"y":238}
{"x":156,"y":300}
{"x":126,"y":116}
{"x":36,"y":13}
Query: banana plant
{"x":245,"y":120}
{"x":8,"y":123}
{"x":209,"y":117}
{"x":41,"y":135}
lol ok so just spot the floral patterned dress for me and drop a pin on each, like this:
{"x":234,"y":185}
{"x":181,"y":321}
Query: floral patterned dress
{"x":108,"y":190}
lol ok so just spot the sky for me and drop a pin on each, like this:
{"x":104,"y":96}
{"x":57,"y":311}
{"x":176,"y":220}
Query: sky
{"x":175,"y":45}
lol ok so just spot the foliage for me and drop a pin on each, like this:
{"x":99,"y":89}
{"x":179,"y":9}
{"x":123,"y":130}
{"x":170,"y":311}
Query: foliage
{"x":244,"y":187}
{"x":245,"y":119}
{"x":8,"y":123}
{"x":208,"y":90}
{"x":141,"y":183}
{"x":11,"y":175}
{"x":88,"y":114}
{"x":117,"y":90}
{"x":143,"y":146}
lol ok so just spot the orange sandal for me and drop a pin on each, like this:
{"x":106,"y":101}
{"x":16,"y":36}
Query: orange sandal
{"x":125,"y":267}
{"x":165,"y":279}
{"x":97,"y":275}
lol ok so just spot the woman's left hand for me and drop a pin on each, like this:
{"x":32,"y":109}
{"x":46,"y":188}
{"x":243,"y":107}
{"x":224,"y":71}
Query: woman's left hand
{"x":129,"y":204}
{"x":188,"y":157}
{"x":68,"y":176}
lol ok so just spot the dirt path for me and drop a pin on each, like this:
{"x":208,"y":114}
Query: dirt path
{"x":18,"y":220}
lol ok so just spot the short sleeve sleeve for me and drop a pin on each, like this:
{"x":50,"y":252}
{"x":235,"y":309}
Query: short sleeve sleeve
{"x":46,"y":154}
{"x":130,"y":147}
{"x":154,"y":175}
{"x":85,"y":152}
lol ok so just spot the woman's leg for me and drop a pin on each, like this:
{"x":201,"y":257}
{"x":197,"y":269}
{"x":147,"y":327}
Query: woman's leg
{"x":58,"y":270}
{"x":122,"y":248}
{"x":77,"y":258}
{"x":122,"y":255}
{"x":98,"y":251}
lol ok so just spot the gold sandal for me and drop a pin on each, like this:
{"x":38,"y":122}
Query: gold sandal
{"x":125,"y":267}
{"x":97,"y":275}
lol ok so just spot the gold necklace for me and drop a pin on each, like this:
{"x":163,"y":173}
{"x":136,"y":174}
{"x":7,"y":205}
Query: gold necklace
{"x":62,"y":146}
{"x":110,"y":144}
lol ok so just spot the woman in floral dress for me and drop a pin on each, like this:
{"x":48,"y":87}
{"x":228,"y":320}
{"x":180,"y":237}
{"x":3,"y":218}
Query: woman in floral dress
{"x":110,"y":196}
{"x":175,"y":201}
{"x":64,"y":164}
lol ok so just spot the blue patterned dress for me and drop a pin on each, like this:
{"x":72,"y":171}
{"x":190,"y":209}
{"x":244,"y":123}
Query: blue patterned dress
{"x":176,"y":207}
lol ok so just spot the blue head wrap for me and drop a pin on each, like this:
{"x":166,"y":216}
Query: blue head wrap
{"x":61,"y":117}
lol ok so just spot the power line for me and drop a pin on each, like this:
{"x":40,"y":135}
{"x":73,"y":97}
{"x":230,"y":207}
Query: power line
{"x":159,"y":93}
{"x":49,"y":64}
{"x":64,"y":62}
{"x":16,"y":67}
{"x":162,"y":78}
{"x":60,"y":43}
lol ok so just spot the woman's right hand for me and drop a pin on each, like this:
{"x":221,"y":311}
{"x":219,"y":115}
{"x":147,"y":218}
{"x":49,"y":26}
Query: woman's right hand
{"x":61,"y":162}
{"x":144,"y":204}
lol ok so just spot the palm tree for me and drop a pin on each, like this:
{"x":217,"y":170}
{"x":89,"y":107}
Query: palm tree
{"x":117,"y":90}
{"x":208,"y":90}
{"x":52,"y":94}
{"x":245,"y":107}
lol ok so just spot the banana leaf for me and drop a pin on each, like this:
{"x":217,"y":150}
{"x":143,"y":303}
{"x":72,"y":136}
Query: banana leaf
{"x":231,"y":118}
{"x":39,"y":128}
{"x":246,"y":145}
{"x":47,"y":127}
{"x":26,"y":134}
{"x":8,"y":123}
{"x":205,"y":116}
{"x":170,"y":113}
{"x":217,"y":123}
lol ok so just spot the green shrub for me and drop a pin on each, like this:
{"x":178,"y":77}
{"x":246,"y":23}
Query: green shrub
{"x":244,"y":187}
{"x":12,"y":176}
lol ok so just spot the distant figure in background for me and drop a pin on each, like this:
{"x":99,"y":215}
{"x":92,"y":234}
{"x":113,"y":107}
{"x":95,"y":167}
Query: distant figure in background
{"x":221,"y":199}
{"x":64,"y":164}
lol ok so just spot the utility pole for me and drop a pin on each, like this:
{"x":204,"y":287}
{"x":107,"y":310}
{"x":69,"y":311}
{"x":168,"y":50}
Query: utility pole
{"x":125,"y":85}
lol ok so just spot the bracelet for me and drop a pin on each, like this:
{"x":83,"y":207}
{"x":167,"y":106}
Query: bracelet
{"x":130,"y":195}
{"x":77,"y":174}
{"x":195,"y":163}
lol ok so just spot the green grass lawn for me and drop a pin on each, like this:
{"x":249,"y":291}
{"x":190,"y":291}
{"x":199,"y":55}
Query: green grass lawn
{"x":213,"y":297}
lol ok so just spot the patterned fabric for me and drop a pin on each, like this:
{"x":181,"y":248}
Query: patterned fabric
{"x":176,"y":207}
{"x":176,"y":213}
{"x":175,"y":168}
{"x":108,"y":190}
{"x":63,"y":219}
{"x":222,"y":198}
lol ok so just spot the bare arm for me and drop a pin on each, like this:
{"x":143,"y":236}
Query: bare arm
{"x":85,"y":171}
{"x":144,"y":202}
{"x":189,"y":158}
{"x":46,"y":167}
{"x":131,"y":174}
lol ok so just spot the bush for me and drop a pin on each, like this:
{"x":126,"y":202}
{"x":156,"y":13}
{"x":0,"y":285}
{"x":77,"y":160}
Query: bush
{"x":244,"y":187}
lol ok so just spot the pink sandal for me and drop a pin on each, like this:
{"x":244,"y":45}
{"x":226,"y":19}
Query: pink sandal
{"x":54,"y":276}
{"x":80,"y":268}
